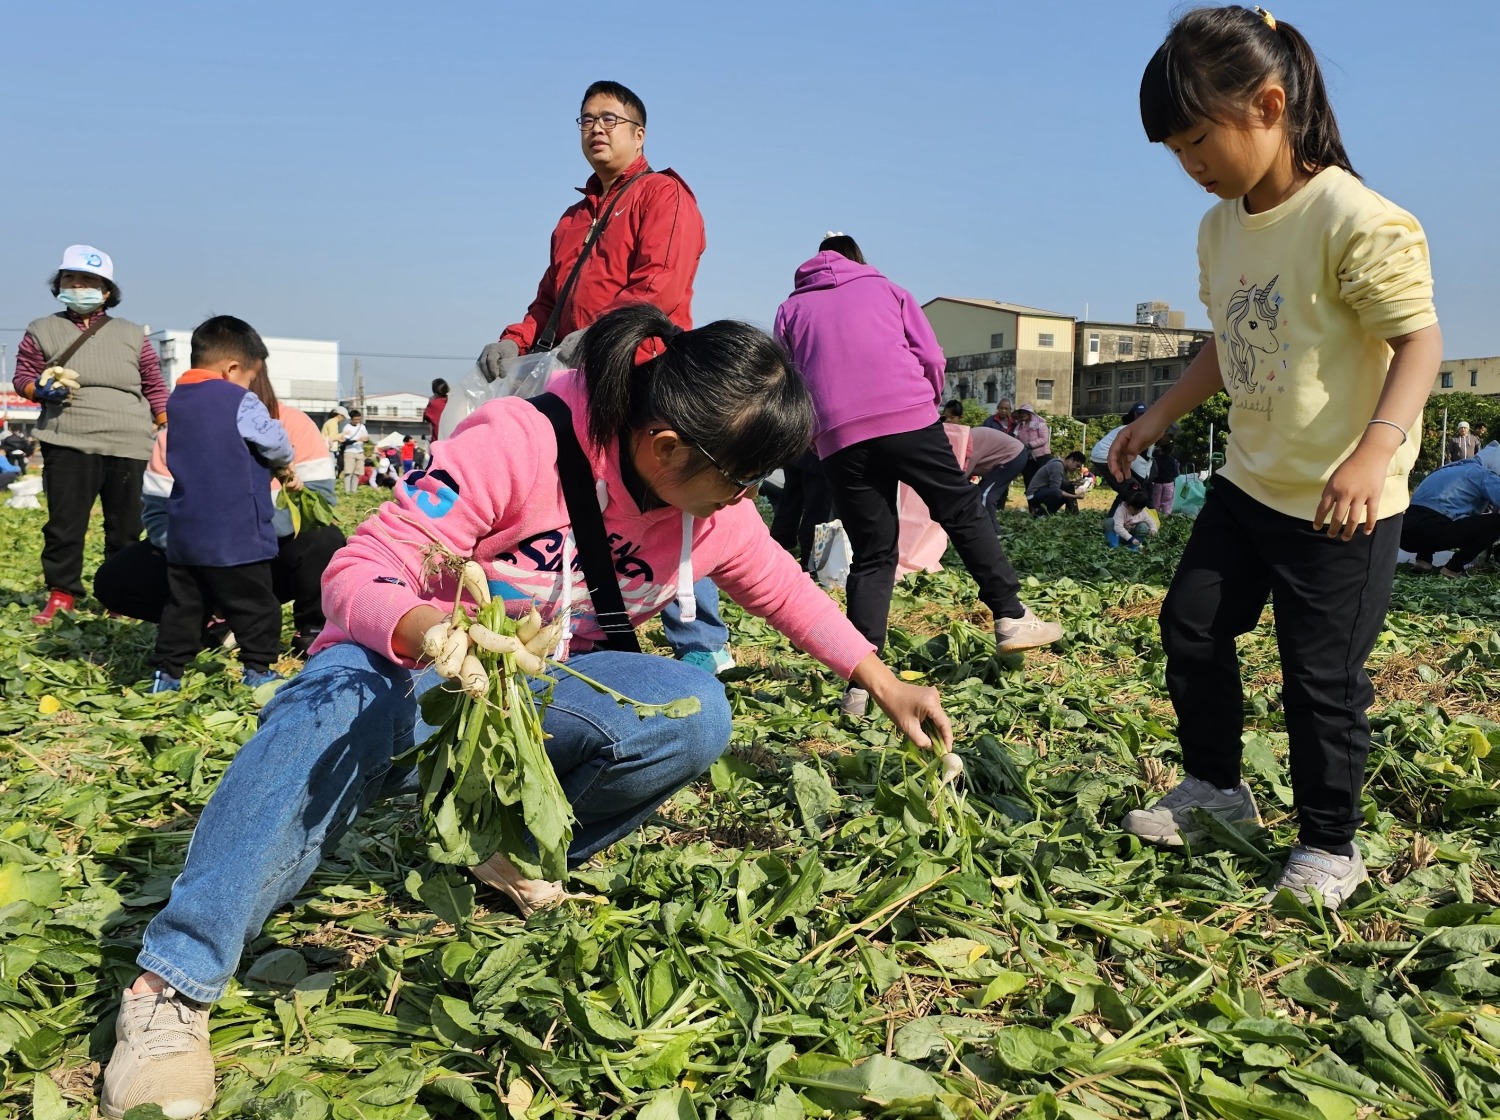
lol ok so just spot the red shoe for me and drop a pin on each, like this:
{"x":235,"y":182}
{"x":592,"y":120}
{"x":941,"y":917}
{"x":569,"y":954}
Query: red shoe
{"x":57,"y":601}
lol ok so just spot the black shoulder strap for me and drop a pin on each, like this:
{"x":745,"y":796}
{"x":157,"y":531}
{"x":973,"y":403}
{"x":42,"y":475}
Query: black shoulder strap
{"x":548,"y":338}
{"x":577,"y":479}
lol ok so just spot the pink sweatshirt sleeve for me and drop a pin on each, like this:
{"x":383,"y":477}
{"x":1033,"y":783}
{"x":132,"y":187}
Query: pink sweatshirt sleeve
{"x":762,"y":577}
{"x":477,"y":476}
{"x":923,"y":342}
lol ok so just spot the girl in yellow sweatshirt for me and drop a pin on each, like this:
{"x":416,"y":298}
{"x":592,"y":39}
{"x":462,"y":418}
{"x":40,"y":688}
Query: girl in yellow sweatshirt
{"x":1325,"y":337}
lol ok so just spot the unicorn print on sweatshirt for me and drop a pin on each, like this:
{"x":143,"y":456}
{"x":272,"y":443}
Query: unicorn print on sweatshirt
{"x":1251,"y":330}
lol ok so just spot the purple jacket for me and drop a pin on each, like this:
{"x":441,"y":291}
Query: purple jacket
{"x":866,"y":351}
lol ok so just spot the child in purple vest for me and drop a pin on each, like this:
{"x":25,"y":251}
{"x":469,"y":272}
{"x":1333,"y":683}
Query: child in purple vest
{"x":220,"y":536}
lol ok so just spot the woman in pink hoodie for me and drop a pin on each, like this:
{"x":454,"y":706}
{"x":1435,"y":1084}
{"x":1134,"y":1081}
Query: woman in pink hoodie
{"x":875,"y":372}
{"x":678,"y":427}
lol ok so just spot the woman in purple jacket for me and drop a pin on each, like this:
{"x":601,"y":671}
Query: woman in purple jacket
{"x":875,"y":372}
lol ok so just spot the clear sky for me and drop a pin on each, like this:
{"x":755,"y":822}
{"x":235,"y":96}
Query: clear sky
{"x":387,"y":174}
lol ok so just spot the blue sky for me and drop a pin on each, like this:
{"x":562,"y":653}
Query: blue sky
{"x":387,"y":174}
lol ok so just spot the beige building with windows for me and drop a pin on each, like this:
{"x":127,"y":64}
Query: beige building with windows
{"x":1480,"y":376}
{"x":1120,"y":364}
{"x":1006,"y":351}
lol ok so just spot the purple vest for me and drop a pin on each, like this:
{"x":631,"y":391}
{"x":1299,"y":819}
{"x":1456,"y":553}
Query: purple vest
{"x":219,"y":514}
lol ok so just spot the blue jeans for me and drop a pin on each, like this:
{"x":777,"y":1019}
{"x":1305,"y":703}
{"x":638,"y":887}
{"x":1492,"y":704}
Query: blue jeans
{"x":323,"y":755}
{"x":707,"y":635}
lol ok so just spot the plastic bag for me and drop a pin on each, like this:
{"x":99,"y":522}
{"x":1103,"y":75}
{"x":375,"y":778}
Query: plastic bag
{"x":523,"y":376}
{"x":1190,"y":495}
{"x":832,"y":555}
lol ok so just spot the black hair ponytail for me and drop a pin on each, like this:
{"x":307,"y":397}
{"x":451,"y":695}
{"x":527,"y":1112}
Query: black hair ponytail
{"x":1212,"y":63}
{"x":726,"y":386}
{"x":844,"y":245}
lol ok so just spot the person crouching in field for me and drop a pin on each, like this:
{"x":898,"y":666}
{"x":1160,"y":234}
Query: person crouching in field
{"x":221,"y":534}
{"x":677,"y":427}
{"x":1325,"y":336}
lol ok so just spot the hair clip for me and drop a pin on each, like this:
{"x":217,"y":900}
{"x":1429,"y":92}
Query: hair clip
{"x":1267,"y":17}
{"x":833,"y":233}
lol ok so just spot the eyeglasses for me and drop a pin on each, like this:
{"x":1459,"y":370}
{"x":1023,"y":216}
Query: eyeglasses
{"x":606,"y":121}
{"x":744,"y":485}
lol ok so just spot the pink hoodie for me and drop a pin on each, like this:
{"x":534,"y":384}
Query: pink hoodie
{"x":491,"y":492}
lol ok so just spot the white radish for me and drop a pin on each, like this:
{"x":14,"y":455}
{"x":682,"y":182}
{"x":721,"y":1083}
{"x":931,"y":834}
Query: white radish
{"x":475,"y":583}
{"x":547,"y":637}
{"x":529,"y":662}
{"x":485,"y":638}
{"x":473,"y":678}
{"x":529,"y":627}
{"x":434,"y":640}
{"x":953,"y":768}
{"x":450,"y":662}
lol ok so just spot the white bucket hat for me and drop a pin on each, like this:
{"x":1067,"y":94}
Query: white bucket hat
{"x":85,"y":258}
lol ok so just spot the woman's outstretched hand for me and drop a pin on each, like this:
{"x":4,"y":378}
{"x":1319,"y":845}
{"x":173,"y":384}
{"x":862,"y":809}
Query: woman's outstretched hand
{"x":916,"y":710}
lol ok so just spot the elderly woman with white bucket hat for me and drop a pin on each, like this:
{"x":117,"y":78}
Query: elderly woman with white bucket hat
{"x":102,"y":395}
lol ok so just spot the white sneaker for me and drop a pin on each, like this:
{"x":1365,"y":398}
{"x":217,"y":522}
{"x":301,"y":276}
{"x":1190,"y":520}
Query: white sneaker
{"x":1313,"y":869}
{"x":1026,"y":632}
{"x":1170,"y":820}
{"x":854,"y":703}
{"x":529,"y":895}
{"x":161,"y":1057}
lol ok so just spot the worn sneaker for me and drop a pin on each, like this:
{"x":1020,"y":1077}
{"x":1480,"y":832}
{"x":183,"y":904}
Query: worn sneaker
{"x":254,"y":678}
{"x":164,"y":682}
{"x":161,"y":1057}
{"x":1420,"y":565}
{"x":1170,"y":821}
{"x":529,"y":895}
{"x":715,"y":662}
{"x":1451,"y":573}
{"x":1311,"y":869}
{"x":854,"y":703}
{"x":57,"y":601}
{"x":1026,"y":632}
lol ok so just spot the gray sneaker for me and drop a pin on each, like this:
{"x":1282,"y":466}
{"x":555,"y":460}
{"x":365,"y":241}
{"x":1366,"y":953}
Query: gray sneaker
{"x":161,"y":1057}
{"x":1312,"y":869}
{"x":1026,"y":632}
{"x":1170,"y":820}
{"x":854,"y":703}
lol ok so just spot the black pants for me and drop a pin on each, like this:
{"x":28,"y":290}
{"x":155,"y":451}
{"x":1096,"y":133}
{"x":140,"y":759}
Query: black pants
{"x":1425,"y":531}
{"x":134,"y":582}
{"x":1033,"y":464}
{"x":994,"y":487}
{"x":72,"y":480}
{"x":1050,"y":499}
{"x":245,"y":596}
{"x":1119,"y":485}
{"x":1330,"y":599}
{"x":864,"y":479}
{"x":803,"y":504}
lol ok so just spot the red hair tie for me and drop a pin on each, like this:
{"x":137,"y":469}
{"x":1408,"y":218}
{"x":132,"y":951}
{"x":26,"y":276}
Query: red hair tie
{"x":650,"y":349}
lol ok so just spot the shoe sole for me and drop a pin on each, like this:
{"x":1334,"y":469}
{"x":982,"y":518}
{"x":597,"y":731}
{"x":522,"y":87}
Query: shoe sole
{"x":1017,"y":645}
{"x":1306,"y":899}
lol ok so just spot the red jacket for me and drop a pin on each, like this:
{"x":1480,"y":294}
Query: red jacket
{"x":648,"y":253}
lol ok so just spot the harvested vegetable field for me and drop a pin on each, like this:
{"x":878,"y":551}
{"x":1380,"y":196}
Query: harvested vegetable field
{"x":816,"y":927}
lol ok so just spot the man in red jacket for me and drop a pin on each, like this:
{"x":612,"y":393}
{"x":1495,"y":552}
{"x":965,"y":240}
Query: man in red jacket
{"x":646,"y":252}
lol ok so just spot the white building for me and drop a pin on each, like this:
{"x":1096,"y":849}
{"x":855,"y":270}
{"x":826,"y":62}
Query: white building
{"x":304,"y":371}
{"x":395,"y":412}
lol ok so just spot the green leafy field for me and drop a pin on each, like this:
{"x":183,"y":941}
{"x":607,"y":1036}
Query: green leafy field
{"x":814,"y":928}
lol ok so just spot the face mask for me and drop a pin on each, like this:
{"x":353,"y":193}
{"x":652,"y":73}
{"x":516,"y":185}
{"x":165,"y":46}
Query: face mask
{"x":82,"y":300}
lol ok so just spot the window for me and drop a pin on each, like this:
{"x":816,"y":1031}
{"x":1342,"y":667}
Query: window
{"x":1131,"y":376}
{"x":1125,"y":346}
{"x":1473,"y":378}
{"x":1093,"y":344}
{"x":997,"y":341}
{"x":965,"y":389}
{"x":1099,"y":396}
{"x":1044,"y":390}
{"x":1130,"y":396}
{"x":1162,"y":373}
{"x":992,"y":391}
{"x":1447,"y":381}
{"x":1044,"y":340}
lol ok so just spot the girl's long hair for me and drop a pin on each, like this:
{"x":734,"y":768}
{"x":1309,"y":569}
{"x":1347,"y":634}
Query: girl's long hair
{"x":726,"y":386}
{"x":1213,"y":62}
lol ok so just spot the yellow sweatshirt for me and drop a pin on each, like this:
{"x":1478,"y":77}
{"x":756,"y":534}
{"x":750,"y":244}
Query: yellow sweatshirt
{"x":1302,"y":298}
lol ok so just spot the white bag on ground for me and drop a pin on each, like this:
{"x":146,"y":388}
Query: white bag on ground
{"x":832,"y":554}
{"x":523,"y":376}
{"x":23,"y":493}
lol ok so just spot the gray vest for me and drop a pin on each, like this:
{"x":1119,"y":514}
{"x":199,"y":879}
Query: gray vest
{"x":108,"y":415}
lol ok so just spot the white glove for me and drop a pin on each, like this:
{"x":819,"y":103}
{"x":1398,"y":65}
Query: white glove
{"x":495,"y":353}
